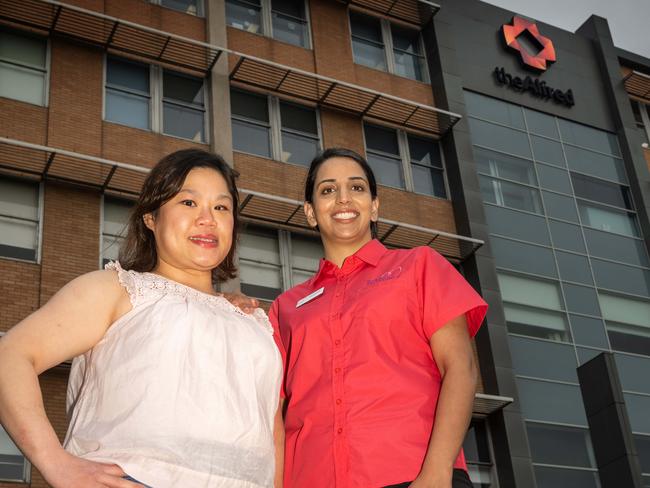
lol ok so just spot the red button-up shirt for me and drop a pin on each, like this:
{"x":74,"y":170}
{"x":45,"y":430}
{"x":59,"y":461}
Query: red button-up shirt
{"x":360,"y":378}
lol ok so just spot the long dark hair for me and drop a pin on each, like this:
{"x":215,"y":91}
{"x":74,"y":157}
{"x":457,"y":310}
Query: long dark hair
{"x":138,"y":251}
{"x":340,"y":152}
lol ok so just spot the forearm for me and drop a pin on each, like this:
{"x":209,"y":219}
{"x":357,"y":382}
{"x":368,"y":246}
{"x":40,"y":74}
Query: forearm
{"x":22,"y":412}
{"x":453,"y":414}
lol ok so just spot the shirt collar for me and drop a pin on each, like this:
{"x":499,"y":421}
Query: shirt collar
{"x":370,"y":253}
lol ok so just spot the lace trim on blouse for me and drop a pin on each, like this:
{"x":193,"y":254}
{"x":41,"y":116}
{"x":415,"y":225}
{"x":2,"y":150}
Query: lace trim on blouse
{"x":139,"y":285}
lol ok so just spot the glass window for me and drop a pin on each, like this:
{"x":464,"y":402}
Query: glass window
{"x":642,"y":443}
{"x":501,"y":138}
{"x":426,"y":166}
{"x":251,"y":130}
{"x":19,"y":219}
{"x":367,"y":41}
{"x":260,"y":268}
{"x":300,"y":141}
{"x":633,"y":372}
{"x":530,"y":291}
{"x":588,"y":331}
{"x":477,"y":453}
{"x":289,"y":20}
{"x":536,"y":322}
{"x":626,"y":310}
{"x":409,"y":61}
{"x":601,"y":191}
{"x":637,"y":107}
{"x":552,"y":178}
{"x":23,"y":67}
{"x":305,"y":257}
{"x":560,"y":206}
{"x":507,"y":194}
{"x":566,"y":236}
{"x":517,"y":225}
{"x":13,"y":465}
{"x":554,"y":444}
{"x":615,"y":247}
{"x":608,"y":219}
{"x":494,"y":110}
{"x":584,"y":136}
{"x":637,"y":409}
{"x":543,"y":359}
{"x":565,"y":478}
{"x":539,"y":123}
{"x":193,"y":7}
{"x":128,"y":95}
{"x":183,"y":106}
{"x":384,"y":155}
{"x":508,"y":167}
{"x":581,"y":299}
{"x":551,"y":402}
{"x":547,"y":151}
{"x":116,"y":216}
{"x":523,"y":257}
{"x":244,"y":14}
{"x":620,"y":277}
{"x":600,"y":165}
{"x":574,"y":267}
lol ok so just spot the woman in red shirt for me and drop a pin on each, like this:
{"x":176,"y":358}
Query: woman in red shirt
{"x":376,"y":346}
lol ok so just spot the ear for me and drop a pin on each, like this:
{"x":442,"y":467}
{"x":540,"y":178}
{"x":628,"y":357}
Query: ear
{"x":149,"y":221}
{"x":374,"y":209}
{"x":309,"y":213}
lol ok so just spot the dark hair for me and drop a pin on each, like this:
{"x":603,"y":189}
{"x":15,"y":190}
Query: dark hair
{"x":138,"y":251}
{"x":340,"y":152}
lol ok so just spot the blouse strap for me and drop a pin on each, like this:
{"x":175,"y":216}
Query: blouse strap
{"x":129,"y":279}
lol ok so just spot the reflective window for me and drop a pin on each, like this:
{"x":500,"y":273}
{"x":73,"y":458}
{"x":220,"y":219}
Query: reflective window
{"x":384,"y":155}
{"x":300,"y":141}
{"x":539,"y":123}
{"x":305,"y":256}
{"x":637,"y":409}
{"x":23,"y":69}
{"x":608,"y":219}
{"x":517,"y":225}
{"x":507,"y":194}
{"x":504,"y":166}
{"x":547,"y":151}
{"x":600,"y":165}
{"x":574,"y":267}
{"x":616,"y":247}
{"x":642,"y":443}
{"x":128,"y":93}
{"x":116,"y":216}
{"x":523,"y":257}
{"x":495,"y":110}
{"x":501,"y":138}
{"x":628,"y":322}
{"x":367,"y":41}
{"x":19,"y":219}
{"x":192,"y":7}
{"x":632,"y":370}
{"x":601,"y":191}
{"x":543,"y":359}
{"x":560,"y":207}
{"x":552,"y":178}
{"x":584,"y":136}
{"x":183,"y":106}
{"x":566,"y":236}
{"x":251,"y":129}
{"x":426,"y":166}
{"x":621,"y":277}
{"x":409,"y":60}
{"x":477,"y":454}
{"x":551,"y":402}
{"x":581,"y":299}
{"x":553,"y":444}
{"x":260,"y":268}
{"x":588,"y":331}
{"x":13,"y":465}
{"x":244,"y":14}
{"x":565,"y":478}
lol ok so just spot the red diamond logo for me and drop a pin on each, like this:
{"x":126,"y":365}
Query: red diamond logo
{"x":522,"y":27}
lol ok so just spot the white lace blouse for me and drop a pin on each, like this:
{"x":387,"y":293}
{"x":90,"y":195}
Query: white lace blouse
{"x":181,"y":391}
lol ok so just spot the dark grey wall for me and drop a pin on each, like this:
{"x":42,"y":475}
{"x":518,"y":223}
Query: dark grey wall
{"x":480,"y":47}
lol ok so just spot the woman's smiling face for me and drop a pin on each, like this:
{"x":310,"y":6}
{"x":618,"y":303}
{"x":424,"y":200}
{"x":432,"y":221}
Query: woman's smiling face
{"x":342,"y":205}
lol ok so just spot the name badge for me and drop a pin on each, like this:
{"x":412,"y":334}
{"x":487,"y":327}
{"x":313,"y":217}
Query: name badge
{"x":310,"y":297}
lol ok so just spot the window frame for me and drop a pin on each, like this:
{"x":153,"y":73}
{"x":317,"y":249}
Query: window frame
{"x":266,"y":24}
{"x":275,"y":125}
{"x":644,"y":110}
{"x":102,"y":222}
{"x":156,"y":99}
{"x":39,"y":227}
{"x":200,"y":8}
{"x":389,"y":47}
{"x":47,"y":69}
{"x":27,"y":466}
{"x":405,"y":159}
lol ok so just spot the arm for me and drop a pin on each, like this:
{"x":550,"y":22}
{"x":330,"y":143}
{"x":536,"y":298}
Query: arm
{"x":453,"y":354}
{"x":278,"y":439}
{"x":72,"y":322}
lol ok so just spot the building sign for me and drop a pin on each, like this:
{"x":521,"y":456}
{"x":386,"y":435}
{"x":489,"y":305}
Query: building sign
{"x":536,"y":53}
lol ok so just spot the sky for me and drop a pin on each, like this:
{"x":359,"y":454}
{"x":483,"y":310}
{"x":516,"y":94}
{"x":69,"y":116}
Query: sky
{"x":629,"y":20}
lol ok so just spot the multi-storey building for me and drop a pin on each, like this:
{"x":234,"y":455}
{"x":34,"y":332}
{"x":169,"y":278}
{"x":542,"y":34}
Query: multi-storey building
{"x":519,"y":152}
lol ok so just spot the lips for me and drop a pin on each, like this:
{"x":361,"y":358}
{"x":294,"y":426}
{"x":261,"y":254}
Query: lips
{"x":205,"y":240}
{"x":345,"y":215}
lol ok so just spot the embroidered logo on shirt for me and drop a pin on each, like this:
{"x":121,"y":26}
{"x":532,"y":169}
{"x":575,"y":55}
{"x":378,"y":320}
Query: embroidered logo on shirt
{"x":388,"y":275}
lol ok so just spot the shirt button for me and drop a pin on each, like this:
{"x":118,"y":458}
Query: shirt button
{"x":337,"y":294}
{"x":339,"y":430}
{"x":337,"y":342}
{"x":338,"y":401}
{"x":337,"y":370}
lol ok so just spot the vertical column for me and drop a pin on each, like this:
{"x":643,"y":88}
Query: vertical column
{"x":219,"y":106}
{"x":512,"y":454}
{"x":609,"y":425}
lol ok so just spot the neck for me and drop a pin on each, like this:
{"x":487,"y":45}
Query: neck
{"x":337,"y":252}
{"x":198,"y":279}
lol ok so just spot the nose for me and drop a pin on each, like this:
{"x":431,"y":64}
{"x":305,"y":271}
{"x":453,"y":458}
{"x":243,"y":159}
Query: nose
{"x":205,"y":217}
{"x":343,"y":196}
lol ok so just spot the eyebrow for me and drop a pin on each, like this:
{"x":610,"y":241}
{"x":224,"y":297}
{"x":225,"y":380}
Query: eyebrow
{"x":193,"y":192}
{"x":351,"y":178}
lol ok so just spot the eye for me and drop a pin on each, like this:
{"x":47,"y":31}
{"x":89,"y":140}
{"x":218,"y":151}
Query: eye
{"x":358,"y":188}
{"x":222,"y":208}
{"x":188,"y":203}
{"x":327,"y":190}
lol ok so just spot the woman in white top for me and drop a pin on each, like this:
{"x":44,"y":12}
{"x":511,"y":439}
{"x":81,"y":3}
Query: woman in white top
{"x":172,"y":385}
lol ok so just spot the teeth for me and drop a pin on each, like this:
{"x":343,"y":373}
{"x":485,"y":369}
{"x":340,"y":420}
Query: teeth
{"x":345,"y":215}
{"x":202,"y":239}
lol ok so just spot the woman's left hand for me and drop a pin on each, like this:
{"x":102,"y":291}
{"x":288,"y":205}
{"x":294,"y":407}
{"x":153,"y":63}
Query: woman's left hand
{"x":245,"y":303}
